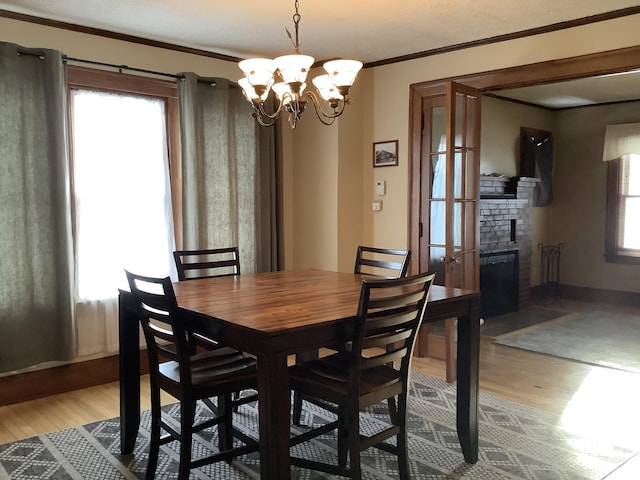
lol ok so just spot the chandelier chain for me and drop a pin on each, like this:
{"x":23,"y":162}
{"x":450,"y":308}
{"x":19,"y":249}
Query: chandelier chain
{"x":296,"y":22}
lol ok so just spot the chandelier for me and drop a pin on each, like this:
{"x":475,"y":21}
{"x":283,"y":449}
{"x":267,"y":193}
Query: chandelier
{"x":286,"y":77}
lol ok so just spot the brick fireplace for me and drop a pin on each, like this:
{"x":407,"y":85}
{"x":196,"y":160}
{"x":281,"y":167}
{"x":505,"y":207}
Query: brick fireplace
{"x":505,"y":242}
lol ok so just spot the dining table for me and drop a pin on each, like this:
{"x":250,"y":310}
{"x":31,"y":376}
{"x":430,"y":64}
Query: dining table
{"x":277,"y":314}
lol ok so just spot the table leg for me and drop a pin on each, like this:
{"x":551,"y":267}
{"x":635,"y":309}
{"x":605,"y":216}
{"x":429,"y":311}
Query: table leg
{"x":274,"y":404}
{"x":468,"y":387}
{"x":129,"y":373}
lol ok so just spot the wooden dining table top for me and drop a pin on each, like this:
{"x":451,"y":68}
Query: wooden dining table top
{"x":278,"y":302}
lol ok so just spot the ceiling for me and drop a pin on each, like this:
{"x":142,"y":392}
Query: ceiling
{"x":368,"y":30}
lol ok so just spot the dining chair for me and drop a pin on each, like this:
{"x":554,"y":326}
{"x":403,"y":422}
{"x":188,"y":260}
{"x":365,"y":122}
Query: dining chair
{"x":176,"y":368}
{"x":370,"y":261}
{"x":382,"y":262}
{"x":208,"y":263}
{"x":377,"y":368}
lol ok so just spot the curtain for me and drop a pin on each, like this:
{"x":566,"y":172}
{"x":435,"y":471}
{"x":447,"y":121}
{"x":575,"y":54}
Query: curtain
{"x":621,"y":140}
{"x":230,"y":187}
{"x":36,"y":292}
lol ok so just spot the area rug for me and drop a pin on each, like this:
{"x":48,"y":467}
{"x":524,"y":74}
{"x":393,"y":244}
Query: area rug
{"x":597,"y":338}
{"x":516,"y":443}
{"x":523,"y":318}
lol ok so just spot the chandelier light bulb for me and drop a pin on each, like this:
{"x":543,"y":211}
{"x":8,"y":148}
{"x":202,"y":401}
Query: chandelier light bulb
{"x":326,"y":88}
{"x":258,"y":71}
{"x":343,"y":72}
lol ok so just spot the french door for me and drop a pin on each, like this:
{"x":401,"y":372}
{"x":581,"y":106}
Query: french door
{"x":445,"y":192}
{"x":450,"y":185}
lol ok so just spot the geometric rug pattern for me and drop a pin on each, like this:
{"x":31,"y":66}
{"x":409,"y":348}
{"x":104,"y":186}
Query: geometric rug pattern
{"x":606,"y":339}
{"x":516,"y":442}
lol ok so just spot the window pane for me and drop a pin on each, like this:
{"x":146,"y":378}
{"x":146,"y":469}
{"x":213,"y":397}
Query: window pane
{"x":631,"y":238}
{"x":633,"y":179}
{"x":121,"y":188}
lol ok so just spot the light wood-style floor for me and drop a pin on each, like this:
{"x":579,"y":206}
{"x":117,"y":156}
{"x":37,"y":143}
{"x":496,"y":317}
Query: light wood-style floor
{"x":600,"y":399}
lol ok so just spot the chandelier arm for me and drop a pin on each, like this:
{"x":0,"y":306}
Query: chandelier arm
{"x":262,"y":122}
{"x":324,"y":117}
{"x":271,"y":116}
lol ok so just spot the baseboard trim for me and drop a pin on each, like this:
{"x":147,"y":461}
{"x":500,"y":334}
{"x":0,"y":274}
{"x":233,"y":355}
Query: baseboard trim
{"x":594,"y":295}
{"x":73,"y":376}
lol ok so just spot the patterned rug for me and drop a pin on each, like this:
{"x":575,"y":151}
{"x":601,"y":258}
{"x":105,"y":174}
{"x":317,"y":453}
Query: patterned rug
{"x":516,"y":442}
{"x":598,"y":338}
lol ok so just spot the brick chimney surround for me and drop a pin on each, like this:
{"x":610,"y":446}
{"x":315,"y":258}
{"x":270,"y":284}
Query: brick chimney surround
{"x":506,"y":205}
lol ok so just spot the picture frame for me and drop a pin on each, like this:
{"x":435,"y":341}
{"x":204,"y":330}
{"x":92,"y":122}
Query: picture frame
{"x":385,"y":154}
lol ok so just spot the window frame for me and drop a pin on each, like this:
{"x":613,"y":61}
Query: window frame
{"x":95,"y":79}
{"x":613,"y":252}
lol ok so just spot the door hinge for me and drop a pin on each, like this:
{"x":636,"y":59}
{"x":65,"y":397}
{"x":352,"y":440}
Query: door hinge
{"x":420,"y":230}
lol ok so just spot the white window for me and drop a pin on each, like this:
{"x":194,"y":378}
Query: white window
{"x":629,"y":211}
{"x":623,"y":210}
{"x":121,"y":190}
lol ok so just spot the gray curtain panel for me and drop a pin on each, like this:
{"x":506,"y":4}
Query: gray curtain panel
{"x":36,"y":292}
{"x":230,"y":187}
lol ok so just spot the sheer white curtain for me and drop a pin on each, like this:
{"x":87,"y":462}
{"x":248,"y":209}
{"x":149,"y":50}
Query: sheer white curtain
{"x":36,"y":291}
{"x":122,"y":205}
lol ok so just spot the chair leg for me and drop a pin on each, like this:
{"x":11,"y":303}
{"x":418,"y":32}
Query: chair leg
{"x":187,"y":414}
{"x":402,"y":443}
{"x":353,"y":431}
{"x":154,"y":444}
{"x":343,"y":438}
{"x":225,"y":427}
{"x":393,"y":409}
{"x":297,"y":408}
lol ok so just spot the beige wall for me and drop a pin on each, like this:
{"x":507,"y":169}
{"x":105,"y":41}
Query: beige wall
{"x":579,"y":206}
{"x":90,"y":47}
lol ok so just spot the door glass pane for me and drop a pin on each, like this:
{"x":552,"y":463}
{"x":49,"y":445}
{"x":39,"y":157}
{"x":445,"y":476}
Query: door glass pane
{"x":458,"y":220}
{"x":436,"y":265}
{"x":458,"y":177}
{"x":438,"y":129}
{"x":438,"y":223}
{"x":460,"y":121}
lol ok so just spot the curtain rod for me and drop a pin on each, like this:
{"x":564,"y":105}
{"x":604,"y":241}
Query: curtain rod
{"x":65,"y":58}
{"x":120,"y":68}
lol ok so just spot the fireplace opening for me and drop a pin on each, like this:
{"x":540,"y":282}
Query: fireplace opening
{"x":499,"y":282}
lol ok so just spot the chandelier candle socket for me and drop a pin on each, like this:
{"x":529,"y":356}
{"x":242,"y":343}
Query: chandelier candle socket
{"x":290,"y":92}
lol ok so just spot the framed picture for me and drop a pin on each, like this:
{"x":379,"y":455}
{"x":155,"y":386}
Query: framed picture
{"x":385,"y":154}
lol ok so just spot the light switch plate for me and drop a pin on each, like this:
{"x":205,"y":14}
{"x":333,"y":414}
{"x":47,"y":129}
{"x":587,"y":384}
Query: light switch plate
{"x":376,"y":205}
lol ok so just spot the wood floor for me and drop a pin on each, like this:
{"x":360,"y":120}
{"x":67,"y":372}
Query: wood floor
{"x":600,"y":399}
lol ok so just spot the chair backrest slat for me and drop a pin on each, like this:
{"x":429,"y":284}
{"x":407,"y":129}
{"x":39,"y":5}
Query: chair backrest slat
{"x":390,"y":313}
{"x":381,"y":262}
{"x":206,"y":263}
